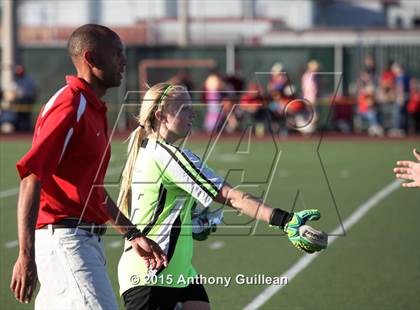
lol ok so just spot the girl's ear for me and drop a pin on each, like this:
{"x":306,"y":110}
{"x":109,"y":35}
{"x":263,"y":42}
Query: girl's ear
{"x":159,"y":116}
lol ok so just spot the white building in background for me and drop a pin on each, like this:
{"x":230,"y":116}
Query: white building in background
{"x":296,"y":14}
{"x":221,"y":21}
{"x":210,"y":21}
{"x":406,"y":15}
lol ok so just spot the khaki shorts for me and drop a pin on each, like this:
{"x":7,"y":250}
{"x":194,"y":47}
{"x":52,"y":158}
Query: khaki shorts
{"x":71,"y":270}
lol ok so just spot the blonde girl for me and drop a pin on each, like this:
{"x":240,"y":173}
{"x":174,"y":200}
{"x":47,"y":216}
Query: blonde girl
{"x":161,"y":184}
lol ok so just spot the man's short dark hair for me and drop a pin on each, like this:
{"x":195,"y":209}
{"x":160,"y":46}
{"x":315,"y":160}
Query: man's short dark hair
{"x":88,"y":37}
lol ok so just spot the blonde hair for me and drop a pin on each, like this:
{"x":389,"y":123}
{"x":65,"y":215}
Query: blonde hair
{"x":155,"y":99}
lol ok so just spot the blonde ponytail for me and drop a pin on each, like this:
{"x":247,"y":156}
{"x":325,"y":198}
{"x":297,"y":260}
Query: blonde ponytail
{"x":155,"y":99}
{"x":133,"y":149}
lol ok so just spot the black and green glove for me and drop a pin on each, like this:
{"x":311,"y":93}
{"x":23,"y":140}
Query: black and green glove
{"x":291,"y":222}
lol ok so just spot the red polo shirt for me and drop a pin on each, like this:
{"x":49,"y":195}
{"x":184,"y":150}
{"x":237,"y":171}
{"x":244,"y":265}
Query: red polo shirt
{"x":70,"y":155}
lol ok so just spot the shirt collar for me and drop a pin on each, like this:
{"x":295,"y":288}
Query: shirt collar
{"x":80,"y":84}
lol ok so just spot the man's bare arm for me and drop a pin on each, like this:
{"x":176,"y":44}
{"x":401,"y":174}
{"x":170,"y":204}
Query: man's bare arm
{"x":116,"y":218}
{"x":24,"y":276}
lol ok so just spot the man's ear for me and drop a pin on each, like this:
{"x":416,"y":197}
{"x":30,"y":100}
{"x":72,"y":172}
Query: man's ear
{"x":89,"y":58}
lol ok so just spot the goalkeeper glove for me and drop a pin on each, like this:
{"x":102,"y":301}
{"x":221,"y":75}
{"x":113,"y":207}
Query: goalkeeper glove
{"x":202,"y":228}
{"x":291,"y":222}
{"x":204,"y":222}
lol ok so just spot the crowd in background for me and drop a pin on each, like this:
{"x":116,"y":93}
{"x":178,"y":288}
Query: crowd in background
{"x":274,"y":108}
{"x":388,"y":101}
{"x":383,"y":103}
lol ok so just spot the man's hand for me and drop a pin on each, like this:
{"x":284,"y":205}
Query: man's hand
{"x":24,"y":278}
{"x":150,"y":251}
{"x":146,"y":248}
{"x":409,"y":170}
{"x":292,"y":230}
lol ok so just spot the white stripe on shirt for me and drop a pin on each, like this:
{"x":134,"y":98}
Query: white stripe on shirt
{"x":52,"y":100}
{"x":80,"y":110}
{"x":66,"y":142}
{"x":82,"y":107}
{"x":182,"y":178}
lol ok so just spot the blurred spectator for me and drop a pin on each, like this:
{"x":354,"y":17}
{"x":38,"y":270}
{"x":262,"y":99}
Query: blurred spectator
{"x":283,"y":109}
{"x":370,"y":68}
{"x":402,"y":94}
{"x":230,"y":99}
{"x":413,"y":107}
{"x":26,"y":91}
{"x":213,"y":87}
{"x":276,"y":86}
{"x":278,"y":79}
{"x":343,"y":113}
{"x":276,"y":107}
{"x":386,"y":97}
{"x":252,"y":110}
{"x":183,"y":77}
{"x":8,"y":117}
{"x":388,"y":78}
{"x":230,"y":118}
{"x":235,"y":83}
{"x":20,"y":98}
{"x":365,"y":79}
{"x":310,"y":92}
{"x":367,"y":110}
{"x":310,"y":82}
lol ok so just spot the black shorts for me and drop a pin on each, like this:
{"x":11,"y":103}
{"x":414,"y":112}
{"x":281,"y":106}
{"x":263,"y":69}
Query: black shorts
{"x":162,"y":298}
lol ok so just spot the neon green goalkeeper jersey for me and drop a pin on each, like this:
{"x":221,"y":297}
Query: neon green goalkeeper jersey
{"x":167,"y":181}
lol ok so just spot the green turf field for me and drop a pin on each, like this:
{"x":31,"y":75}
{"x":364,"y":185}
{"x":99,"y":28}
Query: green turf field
{"x":373,"y":265}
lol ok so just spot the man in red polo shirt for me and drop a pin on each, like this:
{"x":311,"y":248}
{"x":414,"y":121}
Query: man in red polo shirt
{"x":62,"y":205}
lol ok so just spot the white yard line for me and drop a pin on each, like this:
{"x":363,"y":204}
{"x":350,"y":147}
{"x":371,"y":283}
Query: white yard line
{"x":113,"y":158}
{"x":228,"y":158}
{"x":9,"y":192}
{"x":11,"y":244}
{"x":115,"y":170}
{"x":115,"y":244}
{"x":283,"y":173}
{"x":344,"y":174}
{"x":216,"y":245}
{"x":14,"y":191}
{"x":305,"y":260}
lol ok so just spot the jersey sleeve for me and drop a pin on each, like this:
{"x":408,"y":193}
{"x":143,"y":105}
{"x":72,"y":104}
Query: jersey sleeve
{"x":52,"y":134}
{"x":184,"y":169}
